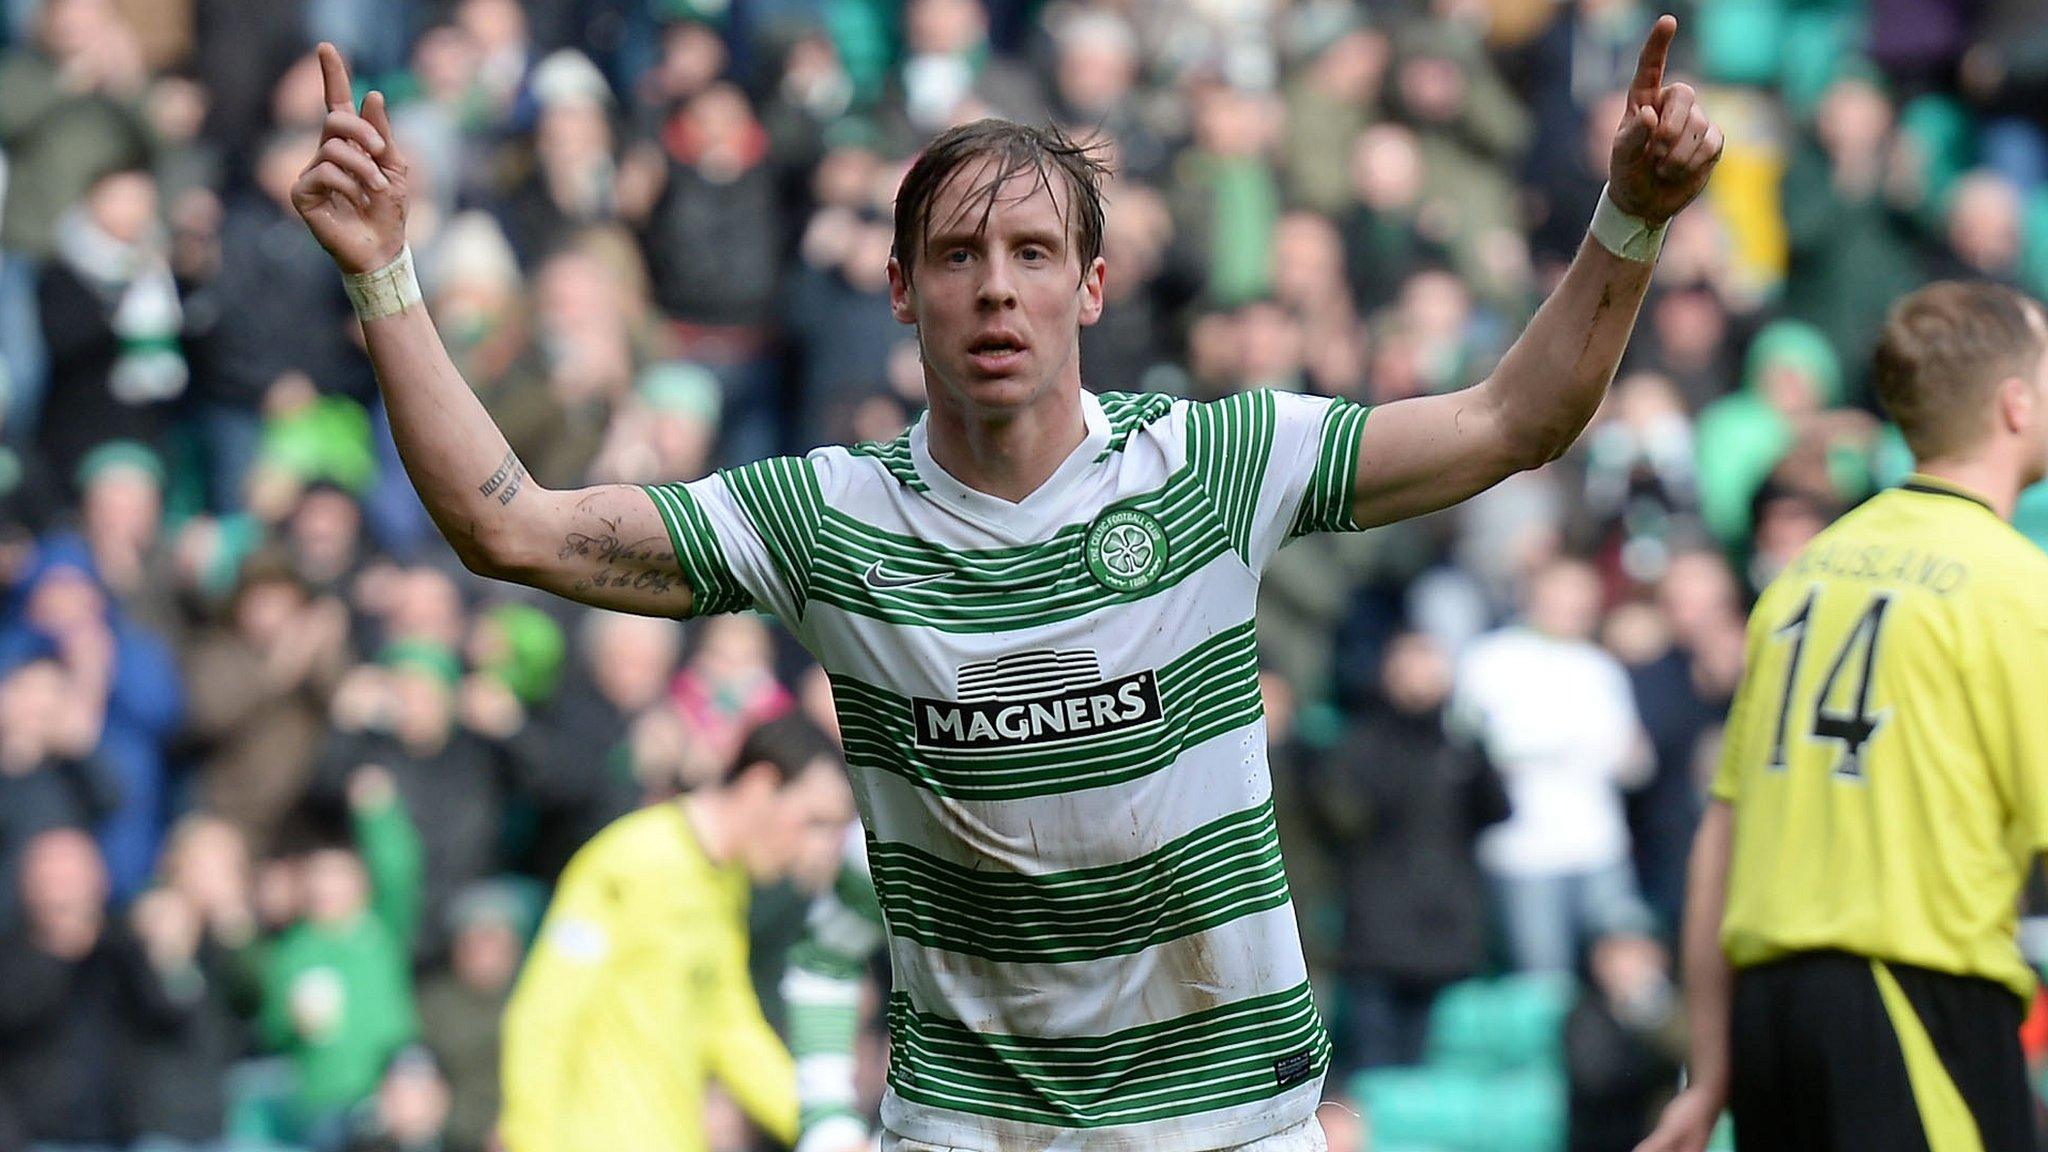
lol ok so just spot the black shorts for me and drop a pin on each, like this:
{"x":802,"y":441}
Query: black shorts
{"x":1823,"y":1064}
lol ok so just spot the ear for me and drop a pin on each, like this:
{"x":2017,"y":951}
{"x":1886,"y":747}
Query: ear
{"x":1091,"y":291}
{"x":2018,"y":404}
{"x":902,"y":302}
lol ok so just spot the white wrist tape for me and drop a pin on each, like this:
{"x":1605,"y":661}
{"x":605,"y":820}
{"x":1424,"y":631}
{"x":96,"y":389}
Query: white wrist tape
{"x":387,"y":291}
{"x":1629,"y":237}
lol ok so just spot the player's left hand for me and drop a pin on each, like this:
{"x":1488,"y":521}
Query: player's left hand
{"x":1665,"y":146}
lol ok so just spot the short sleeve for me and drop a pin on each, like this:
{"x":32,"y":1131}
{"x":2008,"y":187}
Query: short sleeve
{"x":1277,"y":465}
{"x":745,"y":537}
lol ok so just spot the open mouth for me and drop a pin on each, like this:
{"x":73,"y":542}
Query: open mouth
{"x":995,"y":351}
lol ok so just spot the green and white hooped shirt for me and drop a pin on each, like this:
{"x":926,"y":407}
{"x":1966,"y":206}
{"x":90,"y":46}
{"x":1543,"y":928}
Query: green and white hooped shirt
{"x":1051,"y":714}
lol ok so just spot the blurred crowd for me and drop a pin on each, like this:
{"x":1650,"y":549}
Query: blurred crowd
{"x":283,"y":788}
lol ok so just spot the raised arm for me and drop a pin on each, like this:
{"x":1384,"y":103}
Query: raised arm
{"x":606,"y":545}
{"x":1418,"y":455}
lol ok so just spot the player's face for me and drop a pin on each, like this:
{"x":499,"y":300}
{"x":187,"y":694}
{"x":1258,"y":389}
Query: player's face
{"x":802,"y":835}
{"x":998,"y":309}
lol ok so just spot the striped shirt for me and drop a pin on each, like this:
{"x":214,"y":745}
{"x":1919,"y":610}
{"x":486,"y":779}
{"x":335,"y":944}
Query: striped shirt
{"x":1051,"y":713}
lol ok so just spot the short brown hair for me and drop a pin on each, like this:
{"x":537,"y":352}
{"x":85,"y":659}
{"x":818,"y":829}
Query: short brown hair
{"x":788,"y":744}
{"x":1018,"y":148}
{"x":1944,"y":348}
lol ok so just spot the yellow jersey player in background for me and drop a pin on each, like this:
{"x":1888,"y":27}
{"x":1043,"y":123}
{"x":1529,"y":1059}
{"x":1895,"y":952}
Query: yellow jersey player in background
{"x":1852,"y":976}
{"x":637,"y":994}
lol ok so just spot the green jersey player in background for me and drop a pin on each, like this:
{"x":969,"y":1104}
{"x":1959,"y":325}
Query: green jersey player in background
{"x":1035,"y":608}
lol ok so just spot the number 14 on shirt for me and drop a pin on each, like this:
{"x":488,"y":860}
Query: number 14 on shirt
{"x":1840,"y":712}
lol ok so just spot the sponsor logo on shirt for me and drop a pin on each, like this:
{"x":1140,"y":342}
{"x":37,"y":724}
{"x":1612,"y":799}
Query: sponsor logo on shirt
{"x":1034,"y":698}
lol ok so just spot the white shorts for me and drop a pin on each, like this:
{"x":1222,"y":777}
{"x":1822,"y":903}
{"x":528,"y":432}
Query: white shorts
{"x":1306,"y":1136}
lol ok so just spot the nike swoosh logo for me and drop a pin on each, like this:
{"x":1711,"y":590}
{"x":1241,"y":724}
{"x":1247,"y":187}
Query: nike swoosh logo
{"x":880,"y":580}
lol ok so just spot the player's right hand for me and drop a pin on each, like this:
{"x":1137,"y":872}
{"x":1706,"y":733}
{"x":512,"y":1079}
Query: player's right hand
{"x":1687,"y":1124}
{"x":352,"y":192}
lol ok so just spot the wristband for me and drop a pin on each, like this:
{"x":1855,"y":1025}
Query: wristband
{"x":387,"y":291}
{"x":1629,"y":237}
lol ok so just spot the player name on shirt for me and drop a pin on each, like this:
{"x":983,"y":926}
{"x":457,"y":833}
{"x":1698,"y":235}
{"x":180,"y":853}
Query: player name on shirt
{"x":1864,"y":560}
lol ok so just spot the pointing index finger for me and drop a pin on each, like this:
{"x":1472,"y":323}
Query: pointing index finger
{"x":334,"y":78}
{"x":1650,"y":66}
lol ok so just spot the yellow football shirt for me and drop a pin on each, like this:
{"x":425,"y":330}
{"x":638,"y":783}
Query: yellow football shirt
{"x":1887,"y":754}
{"x":637,"y":994}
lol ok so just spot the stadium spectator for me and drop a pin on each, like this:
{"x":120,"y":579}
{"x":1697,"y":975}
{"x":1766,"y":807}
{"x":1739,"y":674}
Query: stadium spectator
{"x":667,"y":427}
{"x":111,"y":323}
{"x":121,"y":673}
{"x":727,"y":686}
{"x":259,"y":680}
{"x":1226,"y":197}
{"x":1985,"y":231}
{"x":276,"y":325}
{"x":1682,"y":675}
{"x":180,"y":1069}
{"x":1623,"y":1042}
{"x":460,"y":1009}
{"x":1132,"y":348}
{"x":121,"y":516}
{"x":1333,"y":98}
{"x":719,"y":203}
{"x":571,"y":181}
{"x":72,"y":100}
{"x":1555,"y":714}
{"x":399,"y":716}
{"x":1783,"y":423}
{"x":1097,"y":68}
{"x":556,"y":400}
{"x":1471,"y":130}
{"x":86,"y":991}
{"x":411,"y":1110}
{"x":840,"y":329}
{"x":1851,"y":201}
{"x":1641,"y":494}
{"x":208,"y":866}
{"x":1690,"y":337}
{"x":1404,"y":802}
{"x":337,"y":984}
{"x":1387,"y":235}
{"x":947,"y":73}
{"x":49,"y":778}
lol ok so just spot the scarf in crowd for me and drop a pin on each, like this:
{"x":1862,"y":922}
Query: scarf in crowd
{"x":136,"y":280}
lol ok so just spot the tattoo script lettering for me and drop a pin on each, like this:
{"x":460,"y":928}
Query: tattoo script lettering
{"x":645,"y":565}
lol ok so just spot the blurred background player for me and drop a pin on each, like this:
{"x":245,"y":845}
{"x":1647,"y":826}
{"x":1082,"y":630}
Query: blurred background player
{"x":1852,"y":975}
{"x":636,"y":995}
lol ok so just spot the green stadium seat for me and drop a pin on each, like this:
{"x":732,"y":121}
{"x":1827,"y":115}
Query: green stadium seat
{"x":1816,"y":43}
{"x":1513,"y":1022}
{"x":1948,"y":143}
{"x":1461,"y":1110}
{"x":2034,"y":244}
{"x":1740,"y":40}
